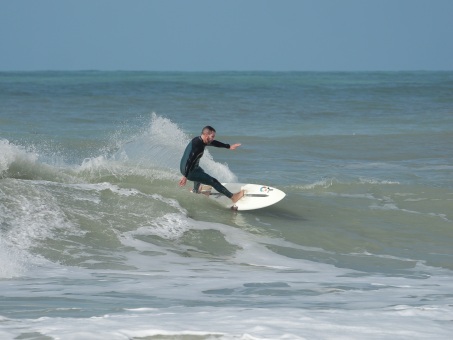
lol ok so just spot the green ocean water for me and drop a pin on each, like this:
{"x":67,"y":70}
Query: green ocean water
{"x":96,"y":232}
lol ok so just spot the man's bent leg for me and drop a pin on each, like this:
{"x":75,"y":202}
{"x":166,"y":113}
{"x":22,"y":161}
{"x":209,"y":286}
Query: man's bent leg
{"x":199,"y":176}
{"x":196,"y":187}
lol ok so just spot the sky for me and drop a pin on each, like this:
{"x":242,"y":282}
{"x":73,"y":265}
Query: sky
{"x":226,"y":35}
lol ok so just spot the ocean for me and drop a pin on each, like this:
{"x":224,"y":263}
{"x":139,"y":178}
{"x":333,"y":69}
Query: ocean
{"x":98,"y":241}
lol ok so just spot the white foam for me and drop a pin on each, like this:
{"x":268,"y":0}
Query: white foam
{"x":161,"y":145}
{"x":170,"y":226}
{"x":29,"y":214}
{"x":38,"y":215}
{"x":13,"y":262}
{"x":325,"y":183}
{"x":377,"y":181}
{"x":10,"y":153}
{"x":401,"y":322}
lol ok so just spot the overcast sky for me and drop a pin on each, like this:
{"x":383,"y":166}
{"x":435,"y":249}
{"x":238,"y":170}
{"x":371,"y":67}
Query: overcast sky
{"x":219,"y":35}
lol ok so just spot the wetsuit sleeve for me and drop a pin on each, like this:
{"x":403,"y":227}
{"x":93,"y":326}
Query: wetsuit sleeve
{"x":218,"y":144}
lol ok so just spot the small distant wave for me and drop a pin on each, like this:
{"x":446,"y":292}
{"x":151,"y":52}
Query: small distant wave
{"x":363,"y":180}
{"x":331,"y":182}
{"x":25,"y":162}
{"x":324,"y":184}
{"x":14,"y":156}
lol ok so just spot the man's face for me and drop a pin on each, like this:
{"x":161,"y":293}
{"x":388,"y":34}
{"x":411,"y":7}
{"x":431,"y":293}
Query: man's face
{"x":208,"y":137}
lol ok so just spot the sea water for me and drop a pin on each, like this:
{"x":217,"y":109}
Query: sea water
{"x":98,"y":241}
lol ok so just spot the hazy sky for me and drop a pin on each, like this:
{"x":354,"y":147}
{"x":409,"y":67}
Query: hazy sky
{"x":211,"y":35}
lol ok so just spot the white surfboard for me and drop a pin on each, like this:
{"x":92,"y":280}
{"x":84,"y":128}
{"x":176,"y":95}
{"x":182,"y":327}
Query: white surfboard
{"x":256,"y":196}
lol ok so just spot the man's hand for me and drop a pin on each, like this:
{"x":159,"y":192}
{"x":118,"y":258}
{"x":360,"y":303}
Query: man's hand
{"x":234,"y":146}
{"x":183,"y":181}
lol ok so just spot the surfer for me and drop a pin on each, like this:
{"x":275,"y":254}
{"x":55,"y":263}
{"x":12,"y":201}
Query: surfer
{"x":191,"y":169}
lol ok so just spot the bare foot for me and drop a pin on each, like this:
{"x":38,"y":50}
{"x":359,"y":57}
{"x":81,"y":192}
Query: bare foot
{"x":237,"y":196}
{"x":205,"y":192}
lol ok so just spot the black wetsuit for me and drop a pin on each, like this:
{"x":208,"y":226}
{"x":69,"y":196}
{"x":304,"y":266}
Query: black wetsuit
{"x":191,"y":169}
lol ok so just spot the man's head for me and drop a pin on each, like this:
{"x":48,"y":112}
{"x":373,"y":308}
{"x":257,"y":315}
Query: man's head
{"x":208,"y":134}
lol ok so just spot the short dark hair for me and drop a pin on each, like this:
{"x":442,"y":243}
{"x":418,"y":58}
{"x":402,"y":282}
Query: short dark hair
{"x":207,"y":128}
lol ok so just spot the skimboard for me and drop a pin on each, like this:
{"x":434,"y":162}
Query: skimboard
{"x":256,"y":196}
